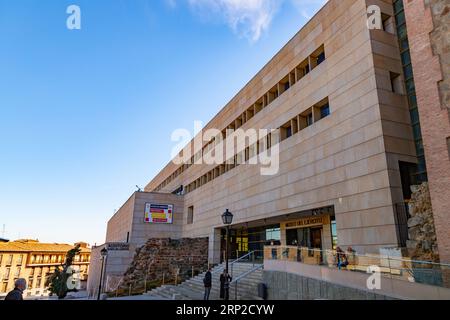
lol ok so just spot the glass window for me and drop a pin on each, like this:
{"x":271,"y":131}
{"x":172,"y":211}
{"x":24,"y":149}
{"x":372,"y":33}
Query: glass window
{"x":321,"y":58}
{"x":7,"y":272}
{"x":288,"y":132}
{"x":309,"y":119}
{"x":406,"y":57}
{"x":20,"y":260}
{"x":10,"y":260}
{"x":408,"y":71}
{"x":273,"y":234}
{"x":334,"y":234}
{"x":1,"y":258}
{"x":325,"y":111}
{"x":401,"y":18}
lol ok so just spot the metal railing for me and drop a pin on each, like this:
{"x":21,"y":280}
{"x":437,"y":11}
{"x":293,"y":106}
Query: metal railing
{"x":242,"y":276}
{"x":250,"y":257}
{"x":426,"y":272}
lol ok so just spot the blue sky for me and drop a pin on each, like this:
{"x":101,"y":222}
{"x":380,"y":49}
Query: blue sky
{"x":85,"y":115}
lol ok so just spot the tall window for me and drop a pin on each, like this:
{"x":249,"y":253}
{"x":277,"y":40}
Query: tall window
{"x":405,"y":56}
{"x":334,"y":234}
{"x":20,"y":260}
{"x":190,"y":218}
{"x":7,"y":272}
{"x":10,"y":260}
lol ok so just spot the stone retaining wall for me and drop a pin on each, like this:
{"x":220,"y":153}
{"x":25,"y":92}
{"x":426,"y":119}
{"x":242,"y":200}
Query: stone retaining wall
{"x":160,"y":257}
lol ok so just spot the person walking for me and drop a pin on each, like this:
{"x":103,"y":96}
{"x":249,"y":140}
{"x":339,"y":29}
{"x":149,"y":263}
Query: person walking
{"x":225,"y":280}
{"x":207,"y":281}
{"x":19,"y":287}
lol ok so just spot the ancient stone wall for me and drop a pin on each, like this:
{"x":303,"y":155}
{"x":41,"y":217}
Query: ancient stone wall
{"x":422,"y":244}
{"x":164,"y":258}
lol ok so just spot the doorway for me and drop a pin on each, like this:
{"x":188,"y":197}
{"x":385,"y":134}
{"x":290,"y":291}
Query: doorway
{"x":305,"y":237}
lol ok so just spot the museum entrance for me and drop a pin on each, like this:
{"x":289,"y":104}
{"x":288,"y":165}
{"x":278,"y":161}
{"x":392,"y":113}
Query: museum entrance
{"x":246,"y":240}
{"x":305,"y":237}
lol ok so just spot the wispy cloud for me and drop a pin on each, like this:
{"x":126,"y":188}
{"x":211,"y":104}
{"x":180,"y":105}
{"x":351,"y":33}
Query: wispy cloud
{"x":247,"y":18}
{"x":307,"y":8}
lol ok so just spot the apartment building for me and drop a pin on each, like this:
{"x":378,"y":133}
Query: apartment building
{"x":352,"y":133}
{"x":34,"y":261}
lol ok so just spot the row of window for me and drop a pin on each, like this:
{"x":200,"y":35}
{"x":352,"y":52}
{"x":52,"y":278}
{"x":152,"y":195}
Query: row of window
{"x":293,"y":126}
{"x":402,"y":33}
{"x":42,"y":259}
{"x":316,"y":58}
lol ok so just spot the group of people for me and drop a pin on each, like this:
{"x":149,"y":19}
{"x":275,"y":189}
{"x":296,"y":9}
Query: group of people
{"x":225,"y":281}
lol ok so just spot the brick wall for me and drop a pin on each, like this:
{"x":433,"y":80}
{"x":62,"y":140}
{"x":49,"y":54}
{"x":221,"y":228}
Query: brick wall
{"x":431,"y":77}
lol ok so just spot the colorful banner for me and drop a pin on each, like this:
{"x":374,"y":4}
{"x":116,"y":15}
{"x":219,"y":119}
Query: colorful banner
{"x":158,"y":213}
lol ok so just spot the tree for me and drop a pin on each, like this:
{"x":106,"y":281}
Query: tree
{"x":57,"y":282}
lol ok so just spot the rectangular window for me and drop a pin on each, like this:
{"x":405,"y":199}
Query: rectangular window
{"x":448,"y":147}
{"x":288,"y":132}
{"x":10,"y":260}
{"x":7,"y":272}
{"x":17,"y":273}
{"x":190,"y":218}
{"x":20,"y":260}
{"x":309,"y":119}
{"x":1,"y":258}
{"x":321,"y":58}
{"x":334,"y":234}
{"x":4,"y":287}
{"x":324,"y":111}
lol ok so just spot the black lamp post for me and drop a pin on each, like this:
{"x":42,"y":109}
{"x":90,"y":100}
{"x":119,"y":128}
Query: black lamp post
{"x":227,"y":219}
{"x":104,"y":254}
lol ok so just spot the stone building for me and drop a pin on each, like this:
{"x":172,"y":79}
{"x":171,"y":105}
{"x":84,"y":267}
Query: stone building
{"x":361,"y":115}
{"x":33,"y":261}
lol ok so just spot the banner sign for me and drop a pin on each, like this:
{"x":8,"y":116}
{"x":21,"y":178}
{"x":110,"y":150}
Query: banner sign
{"x":118,"y":246}
{"x":308,"y":222}
{"x":158,"y":213}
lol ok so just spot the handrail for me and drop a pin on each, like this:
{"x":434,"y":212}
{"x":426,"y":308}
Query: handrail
{"x":400,"y":268}
{"x":235,"y":281}
{"x":236,"y":261}
{"x":261,"y":266}
{"x":379,"y":256}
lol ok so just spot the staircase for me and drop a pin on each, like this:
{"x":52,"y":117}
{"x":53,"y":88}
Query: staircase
{"x":246,"y":277}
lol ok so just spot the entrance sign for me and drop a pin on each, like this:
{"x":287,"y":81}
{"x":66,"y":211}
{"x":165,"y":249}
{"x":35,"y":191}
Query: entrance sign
{"x":308,"y":222}
{"x":118,"y":246}
{"x":158,"y":213}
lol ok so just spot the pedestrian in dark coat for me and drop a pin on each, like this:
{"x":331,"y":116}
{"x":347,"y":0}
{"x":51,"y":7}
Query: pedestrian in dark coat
{"x":19,"y":287}
{"x":207,"y":281}
{"x":225,"y":280}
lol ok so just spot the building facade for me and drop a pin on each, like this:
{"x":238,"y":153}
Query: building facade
{"x":34,"y":261}
{"x":360,"y":116}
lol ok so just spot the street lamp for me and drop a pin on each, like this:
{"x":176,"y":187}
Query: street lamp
{"x":227,"y":219}
{"x":104,"y":254}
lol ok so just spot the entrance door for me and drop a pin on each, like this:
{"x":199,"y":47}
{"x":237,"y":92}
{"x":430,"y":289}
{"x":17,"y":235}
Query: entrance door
{"x":316,"y":238}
